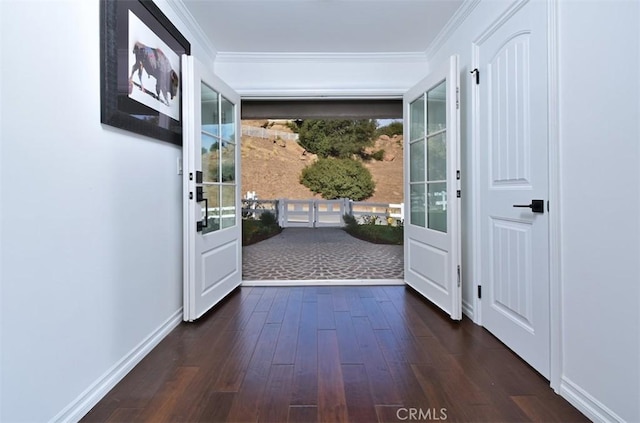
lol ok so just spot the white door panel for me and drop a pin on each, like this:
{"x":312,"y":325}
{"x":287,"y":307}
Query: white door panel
{"x":432,"y":227}
{"x":211,"y":158}
{"x":514,"y":171}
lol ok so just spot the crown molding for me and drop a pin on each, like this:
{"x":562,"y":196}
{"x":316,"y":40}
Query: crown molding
{"x":321,"y":94}
{"x":266,"y":57}
{"x":179,"y":8}
{"x":450,"y":27}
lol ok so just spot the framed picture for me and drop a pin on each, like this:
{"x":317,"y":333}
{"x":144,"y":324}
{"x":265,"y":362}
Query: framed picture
{"x":140,"y":69}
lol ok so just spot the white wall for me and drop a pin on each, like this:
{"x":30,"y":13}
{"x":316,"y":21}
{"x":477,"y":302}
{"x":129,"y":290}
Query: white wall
{"x":91,"y":259}
{"x":1,"y":218}
{"x":600,"y":142}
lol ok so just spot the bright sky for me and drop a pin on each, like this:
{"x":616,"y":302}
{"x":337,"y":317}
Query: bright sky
{"x":385,"y":122}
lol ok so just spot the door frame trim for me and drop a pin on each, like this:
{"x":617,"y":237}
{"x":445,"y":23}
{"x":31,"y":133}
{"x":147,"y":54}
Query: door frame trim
{"x":553,"y":140}
{"x":555,"y":179}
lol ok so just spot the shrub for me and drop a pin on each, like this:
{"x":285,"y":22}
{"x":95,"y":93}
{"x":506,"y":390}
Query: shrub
{"x":267,"y":218}
{"x":394,"y":128}
{"x":349,"y":220}
{"x":338,"y":178}
{"x":336,"y":138}
{"x":258,"y":230}
{"x":294,"y":125}
{"x":378,"y":234}
{"x":378,"y":155}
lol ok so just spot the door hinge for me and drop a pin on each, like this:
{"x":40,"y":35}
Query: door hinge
{"x":459,"y":277}
{"x":479,"y":291}
{"x":477,"y":75}
{"x":458,"y":194}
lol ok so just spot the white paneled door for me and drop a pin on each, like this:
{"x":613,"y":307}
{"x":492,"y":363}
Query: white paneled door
{"x":513,"y":145}
{"x":432,"y":186}
{"x":211,"y":160}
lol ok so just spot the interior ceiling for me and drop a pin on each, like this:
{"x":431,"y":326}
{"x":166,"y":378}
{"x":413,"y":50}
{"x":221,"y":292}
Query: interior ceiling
{"x":321,"y":26}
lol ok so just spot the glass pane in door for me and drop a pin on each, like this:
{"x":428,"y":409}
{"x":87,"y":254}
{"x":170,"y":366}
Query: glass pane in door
{"x":416,"y":162}
{"x":209,"y":134}
{"x":211,"y":214}
{"x":210,"y":109}
{"x":228,"y":124}
{"x":218,"y":145}
{"x":210,"y":158}
{"x":228,"y":154}
{"x":228,"y":211}
{"x":437,"y":157}
{"x":416,"y":116}
{"x":437,"y":108}
{"x":437,"y":206}
{"x":417,"y":203}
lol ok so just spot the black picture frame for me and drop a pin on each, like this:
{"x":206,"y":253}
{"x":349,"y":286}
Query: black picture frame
{"x":158,"y":111}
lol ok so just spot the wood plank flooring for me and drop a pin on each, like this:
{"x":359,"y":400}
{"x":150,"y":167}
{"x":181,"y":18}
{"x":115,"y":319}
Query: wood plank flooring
{"x":331,"y":354}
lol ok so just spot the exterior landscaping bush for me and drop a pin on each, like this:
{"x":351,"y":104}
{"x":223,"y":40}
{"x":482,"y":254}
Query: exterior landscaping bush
{"x":377,"y":234}
{"x":338,"y":178}
{"x":258,"y":230}
{"x":394,"y":128}
{"x":337,"y":138}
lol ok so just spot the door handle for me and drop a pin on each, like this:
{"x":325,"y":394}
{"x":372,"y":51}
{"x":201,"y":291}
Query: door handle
{"x":536,"y":206}
{"x":200,"y":225}
{"x":200,"y":198}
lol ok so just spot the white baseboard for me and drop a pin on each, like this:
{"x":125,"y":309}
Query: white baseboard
{"x":587,"y":404}
{"x":94,"y":393}
{"x":325,"y":282}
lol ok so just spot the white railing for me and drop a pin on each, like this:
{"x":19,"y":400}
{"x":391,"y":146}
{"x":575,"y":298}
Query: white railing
{"x":315,"y":213}
{"x":254,"y":208}
{"x":296,"y":213}
{"x":312,"y":213}
{"x":328,"y":213}
{"x":253,"y":131}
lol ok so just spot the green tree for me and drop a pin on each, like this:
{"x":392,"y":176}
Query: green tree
{"x":338,"y":178}
{"x":295,"y":125}
{"x":336,"y":138}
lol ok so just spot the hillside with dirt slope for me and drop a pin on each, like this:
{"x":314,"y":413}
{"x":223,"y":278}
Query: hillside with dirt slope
{"x":271,"y":166}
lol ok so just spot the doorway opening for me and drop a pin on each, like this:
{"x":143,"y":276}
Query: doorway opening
{"x":310,"y":167}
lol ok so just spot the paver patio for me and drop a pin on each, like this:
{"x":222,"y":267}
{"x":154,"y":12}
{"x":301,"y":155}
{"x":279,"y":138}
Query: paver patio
{"x":320,"y":254}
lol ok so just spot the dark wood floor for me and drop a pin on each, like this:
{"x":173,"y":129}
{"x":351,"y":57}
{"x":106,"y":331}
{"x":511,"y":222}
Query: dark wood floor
{"x":324,"y":354}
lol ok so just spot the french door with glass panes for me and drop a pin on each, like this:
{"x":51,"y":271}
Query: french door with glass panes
{"x":432,"y":184}
{"x":211,"y":160}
